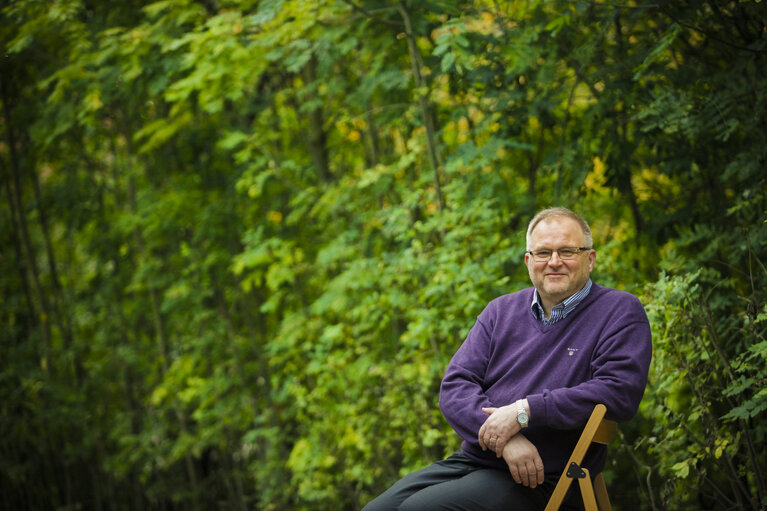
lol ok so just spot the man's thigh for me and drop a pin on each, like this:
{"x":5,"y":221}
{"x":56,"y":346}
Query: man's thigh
{"x":458,"y":484}
{"x":480,"y":490}
{"x":448,"y":469}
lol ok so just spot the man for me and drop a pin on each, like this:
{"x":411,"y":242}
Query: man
{"x":523,"y":383}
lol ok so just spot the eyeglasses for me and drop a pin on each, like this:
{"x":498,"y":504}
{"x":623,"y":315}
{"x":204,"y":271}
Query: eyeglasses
{"x":564,"y":253}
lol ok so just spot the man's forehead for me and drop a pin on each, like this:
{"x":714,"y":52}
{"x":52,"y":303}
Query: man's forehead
{"x":557,"y":226}
{"x":557,"y":222}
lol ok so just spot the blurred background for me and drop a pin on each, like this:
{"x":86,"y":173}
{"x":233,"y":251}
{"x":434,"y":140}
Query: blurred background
{"x":241,"y":239}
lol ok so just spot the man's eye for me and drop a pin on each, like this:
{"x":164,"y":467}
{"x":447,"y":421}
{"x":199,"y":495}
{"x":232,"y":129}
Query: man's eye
{"x":567,"y":253}
{"x":543,"y":253}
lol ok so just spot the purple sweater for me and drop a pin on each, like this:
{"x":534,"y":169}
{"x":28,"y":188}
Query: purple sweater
{"x":599,"y":353}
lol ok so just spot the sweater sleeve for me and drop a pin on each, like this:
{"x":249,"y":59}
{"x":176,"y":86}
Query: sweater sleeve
{"x":462,"y":395}
{"x":619,"y":367}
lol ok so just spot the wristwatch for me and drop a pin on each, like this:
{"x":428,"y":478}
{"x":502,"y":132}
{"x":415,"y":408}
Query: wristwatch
{"x":522,"y":416}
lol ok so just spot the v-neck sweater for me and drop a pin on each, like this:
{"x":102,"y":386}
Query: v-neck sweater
{"x":599,"y":353}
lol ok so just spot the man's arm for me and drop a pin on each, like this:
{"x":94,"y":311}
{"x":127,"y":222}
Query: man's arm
{"x":619,"y":368}
{"x":525,"y":464}
{"x":462,"y":395}
{"x":500,"y":427}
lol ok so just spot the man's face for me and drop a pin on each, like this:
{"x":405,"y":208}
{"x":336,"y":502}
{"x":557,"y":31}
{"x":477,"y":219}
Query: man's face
{"x":556,"y":279}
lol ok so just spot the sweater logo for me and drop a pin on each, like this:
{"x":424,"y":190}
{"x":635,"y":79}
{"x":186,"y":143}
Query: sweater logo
{"x":571,"y":351}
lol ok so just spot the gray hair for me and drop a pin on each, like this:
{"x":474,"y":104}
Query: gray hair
{"x":553,"y":212}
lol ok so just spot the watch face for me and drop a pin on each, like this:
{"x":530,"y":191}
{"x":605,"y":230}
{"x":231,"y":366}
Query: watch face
{"x":522,"y":418}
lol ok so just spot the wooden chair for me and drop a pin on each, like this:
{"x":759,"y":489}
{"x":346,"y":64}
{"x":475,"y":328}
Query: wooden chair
{"x":597,"y":430}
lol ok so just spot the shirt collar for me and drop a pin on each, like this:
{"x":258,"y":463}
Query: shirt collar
{"x":560,"y":310}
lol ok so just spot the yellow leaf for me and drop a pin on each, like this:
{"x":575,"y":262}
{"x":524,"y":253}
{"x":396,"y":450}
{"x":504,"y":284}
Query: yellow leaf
{"x":93,"y":100}
{"x":274,"y":217}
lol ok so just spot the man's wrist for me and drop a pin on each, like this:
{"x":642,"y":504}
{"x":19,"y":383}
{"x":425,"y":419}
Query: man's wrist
{"x":523,"y":413}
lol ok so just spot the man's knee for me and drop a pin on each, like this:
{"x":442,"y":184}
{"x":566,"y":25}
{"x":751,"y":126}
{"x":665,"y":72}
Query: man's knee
{"x":380,"y":503}
{"x":412,"y":505}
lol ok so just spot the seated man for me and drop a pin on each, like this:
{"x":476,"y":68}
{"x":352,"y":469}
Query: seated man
{"x":522,"y":385}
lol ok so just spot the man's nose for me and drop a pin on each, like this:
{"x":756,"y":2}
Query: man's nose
{"x":554,"y":260}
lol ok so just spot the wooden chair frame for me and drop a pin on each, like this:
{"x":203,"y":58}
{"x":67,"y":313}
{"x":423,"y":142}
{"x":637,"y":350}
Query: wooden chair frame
{"x":597,"y":430}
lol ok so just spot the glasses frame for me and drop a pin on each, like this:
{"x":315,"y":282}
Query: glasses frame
{"x":578,"y":251}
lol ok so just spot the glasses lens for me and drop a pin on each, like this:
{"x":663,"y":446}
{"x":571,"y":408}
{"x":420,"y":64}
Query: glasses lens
{"x":543,"y":256}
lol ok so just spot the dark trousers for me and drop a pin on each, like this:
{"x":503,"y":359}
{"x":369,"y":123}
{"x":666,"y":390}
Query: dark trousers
{"x":459,"y":484}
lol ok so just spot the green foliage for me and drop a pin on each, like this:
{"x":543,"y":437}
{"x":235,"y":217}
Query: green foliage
{"x":710,"y":390}
{"x":241,"y":240}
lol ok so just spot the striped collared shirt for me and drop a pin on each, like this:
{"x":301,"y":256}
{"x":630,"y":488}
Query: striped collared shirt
{"x":560,"y":310}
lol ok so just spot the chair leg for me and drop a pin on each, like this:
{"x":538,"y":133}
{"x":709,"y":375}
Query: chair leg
{"x":587,"y":492}
{"x":603,"y":500}
{"x":560,"y":490}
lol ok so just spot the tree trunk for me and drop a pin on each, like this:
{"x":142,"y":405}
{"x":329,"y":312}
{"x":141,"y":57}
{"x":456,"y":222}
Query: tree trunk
{"x":17,"y":203}
{"x":161,"y":336}
{"x":317,"y":138}
{"x":29,"y":319}
{"x":62,"y":318}
{"x":435,"y":159}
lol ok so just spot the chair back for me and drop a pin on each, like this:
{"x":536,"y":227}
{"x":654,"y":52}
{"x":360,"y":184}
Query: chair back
{"x":605,"y":432}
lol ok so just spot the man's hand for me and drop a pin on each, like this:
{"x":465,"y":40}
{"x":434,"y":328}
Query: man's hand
{"x":524,"y":462}
{"x":498,"y":428}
